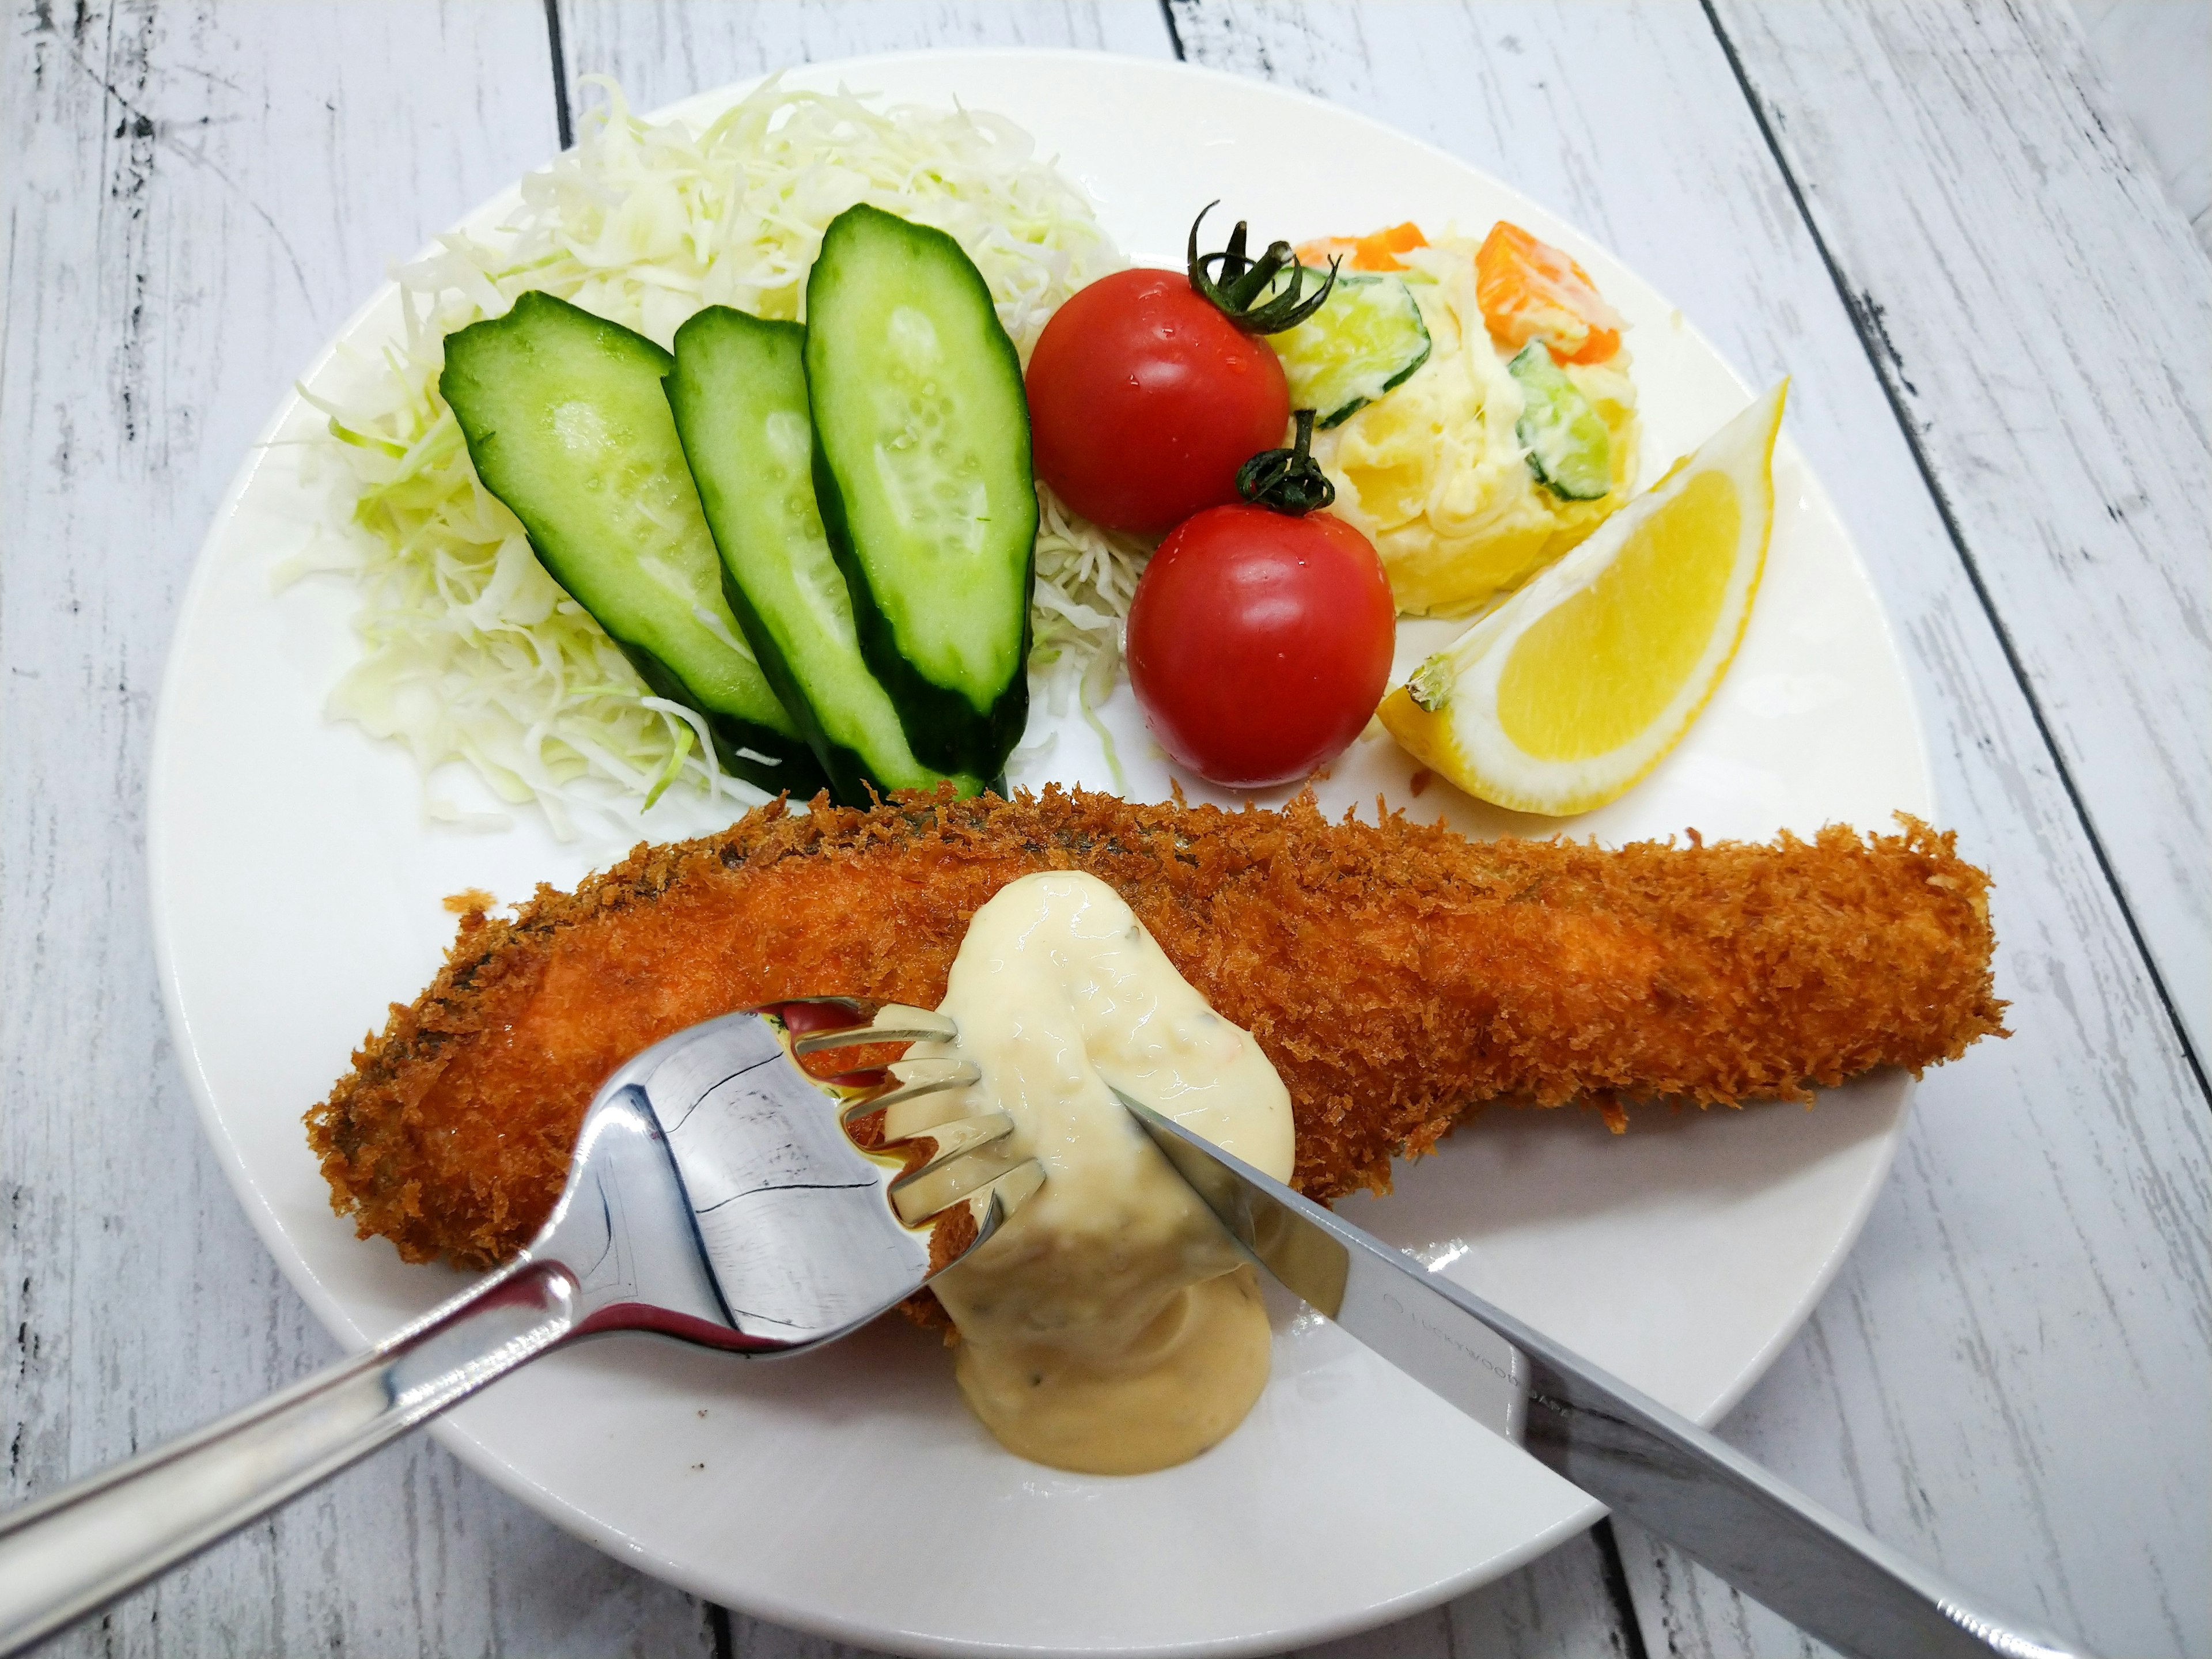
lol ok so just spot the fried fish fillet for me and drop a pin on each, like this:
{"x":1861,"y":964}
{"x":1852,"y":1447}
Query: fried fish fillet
{"x":1396,"y":974}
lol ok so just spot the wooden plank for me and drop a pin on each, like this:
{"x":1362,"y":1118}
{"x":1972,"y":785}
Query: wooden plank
{"x":1945,"y":663}
{"x":2039,"y":313}
{"x":194,"y":200}
{"x":671,"y":49}
{"x":2039,"y":1263}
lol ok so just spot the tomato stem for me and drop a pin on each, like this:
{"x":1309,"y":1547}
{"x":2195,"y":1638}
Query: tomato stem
{"x":1240,"y":291}
{"x":1288,"y":481}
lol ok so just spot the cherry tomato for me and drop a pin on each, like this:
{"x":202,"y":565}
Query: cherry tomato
{"x":1145,"y":400}
{"x":1259,"y":644}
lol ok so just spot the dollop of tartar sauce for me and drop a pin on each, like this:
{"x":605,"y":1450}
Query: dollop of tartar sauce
{"x":1110,"y":1327}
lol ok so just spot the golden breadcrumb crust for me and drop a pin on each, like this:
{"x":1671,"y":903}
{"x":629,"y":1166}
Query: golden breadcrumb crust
{"x":1395,"y":974}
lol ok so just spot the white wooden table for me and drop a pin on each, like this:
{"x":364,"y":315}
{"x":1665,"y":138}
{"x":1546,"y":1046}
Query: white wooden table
{"x":2000,"y":333}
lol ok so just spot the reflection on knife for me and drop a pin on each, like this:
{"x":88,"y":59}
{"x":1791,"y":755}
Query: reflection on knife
{"x":1831,"y":1579}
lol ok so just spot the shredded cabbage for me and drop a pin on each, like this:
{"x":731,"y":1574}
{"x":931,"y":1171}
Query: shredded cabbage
{"x":469,"y":650}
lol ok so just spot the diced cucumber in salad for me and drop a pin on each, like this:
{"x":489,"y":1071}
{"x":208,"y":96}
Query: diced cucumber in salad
{"x":1366,"y":338}
{"x":1570,"y":450}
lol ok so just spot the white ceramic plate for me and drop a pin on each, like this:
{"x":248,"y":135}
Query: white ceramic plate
{"x":296,"y":892}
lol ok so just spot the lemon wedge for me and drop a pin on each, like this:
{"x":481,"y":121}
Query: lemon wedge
{"x":1564,"y":695}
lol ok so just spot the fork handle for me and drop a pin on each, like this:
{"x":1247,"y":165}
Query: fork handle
{"x":82,"y":1546}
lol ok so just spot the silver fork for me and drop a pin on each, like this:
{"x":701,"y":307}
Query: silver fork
{"x":718,"y":1196}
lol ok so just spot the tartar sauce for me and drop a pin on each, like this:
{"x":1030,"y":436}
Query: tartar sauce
{"x":1110,"y":1327}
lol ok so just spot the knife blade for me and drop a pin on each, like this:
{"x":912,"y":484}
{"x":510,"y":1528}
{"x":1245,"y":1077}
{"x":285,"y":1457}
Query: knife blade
{"x":1637,"y":1456}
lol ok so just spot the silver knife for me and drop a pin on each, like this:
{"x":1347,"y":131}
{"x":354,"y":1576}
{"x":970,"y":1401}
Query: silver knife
{"x":1830,"y":1578}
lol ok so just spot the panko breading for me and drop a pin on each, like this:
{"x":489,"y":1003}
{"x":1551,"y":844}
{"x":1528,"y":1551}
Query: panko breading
{"x":1396,"y":974}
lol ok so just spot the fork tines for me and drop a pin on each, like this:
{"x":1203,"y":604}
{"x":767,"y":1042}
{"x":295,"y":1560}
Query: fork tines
{"x":969,"y":1151}
{"x":977,"y":1157}
{"x":894,"y":1023}
{"x":918,"y":1079}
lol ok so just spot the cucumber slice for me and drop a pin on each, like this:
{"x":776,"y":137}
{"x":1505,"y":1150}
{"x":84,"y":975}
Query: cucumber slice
{"x":566,"y":423}
{"x":1570,"y":450}
{"x":738,"y":393}
{"x":1365,"y":339}
{"x":921,"y":469}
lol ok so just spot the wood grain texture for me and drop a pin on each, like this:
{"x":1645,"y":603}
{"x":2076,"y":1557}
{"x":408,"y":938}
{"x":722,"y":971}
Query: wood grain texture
{"x":661,"y":52}
{"x":194,"y":200}
{"x":2043,"y":317}
{"x":2039,"y":1263}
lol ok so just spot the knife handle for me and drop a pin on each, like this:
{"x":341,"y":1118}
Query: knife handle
{"x":1830,"y":1578}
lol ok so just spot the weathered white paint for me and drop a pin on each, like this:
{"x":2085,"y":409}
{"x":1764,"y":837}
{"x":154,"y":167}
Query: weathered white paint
{"x":2043,"y":317}
{"x":195,"y":198}
{"x":2037,"y":1269}
{"x":672,"y":48}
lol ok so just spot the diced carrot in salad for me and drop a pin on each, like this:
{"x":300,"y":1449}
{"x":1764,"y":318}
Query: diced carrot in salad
{"x":1530,"y":290}
{"x":1378,"y":251}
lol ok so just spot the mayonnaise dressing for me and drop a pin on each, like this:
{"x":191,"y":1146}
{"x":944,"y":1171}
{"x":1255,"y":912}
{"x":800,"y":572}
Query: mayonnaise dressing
{"x":1110,"y":1327}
